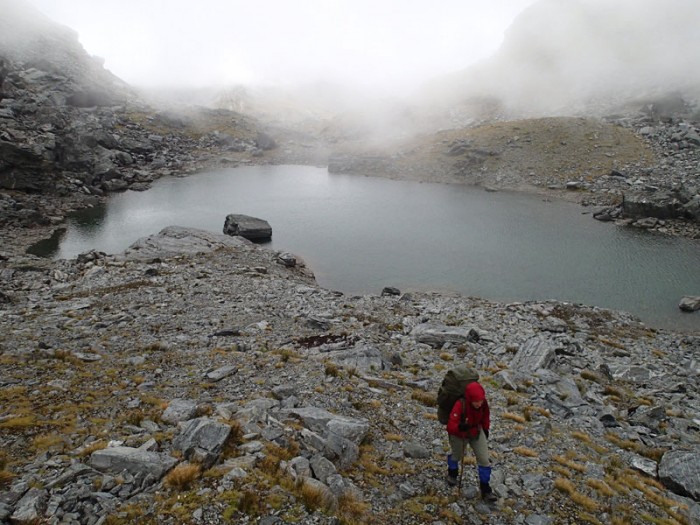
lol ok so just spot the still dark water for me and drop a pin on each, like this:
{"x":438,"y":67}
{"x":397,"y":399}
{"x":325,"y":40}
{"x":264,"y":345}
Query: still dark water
{"x":359,"y":234}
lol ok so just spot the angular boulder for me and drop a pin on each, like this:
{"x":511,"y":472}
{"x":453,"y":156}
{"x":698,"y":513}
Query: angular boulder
{"x":679,"y":470}
{"x":203,"y":440}
{"x":250,"y":228}
{"x":659,"y":205}
{"x":179,"y":410}
{"x":534,"y":354}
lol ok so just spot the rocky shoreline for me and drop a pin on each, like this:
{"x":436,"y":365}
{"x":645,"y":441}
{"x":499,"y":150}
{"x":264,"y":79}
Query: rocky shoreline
{"x":200,"y":378}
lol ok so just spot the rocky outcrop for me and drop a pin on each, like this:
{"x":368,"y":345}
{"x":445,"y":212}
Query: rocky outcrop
{"x":569,"y":387}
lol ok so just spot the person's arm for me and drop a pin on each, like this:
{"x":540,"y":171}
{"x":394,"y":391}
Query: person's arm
{"x":455,"y":419}
{"x":486,"y":425}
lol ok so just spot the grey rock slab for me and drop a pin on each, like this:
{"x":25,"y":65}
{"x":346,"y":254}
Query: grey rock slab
{"x":300,"y":467}
{"x":31,"y":508}
{"x":114,"y":460}
{"x":343,"y":449}
{"x":179,"y":410}
{"x":353,"y":430}
{"x":221,"y":373}
{"x":202,"y":433}
{"x":321,"y":467}
{"x":535,"y":353}
{"x":679,"y":470}
{"x":176,"y":240}
{"x":413,"y":449}
{"x":362,"y":358}
{"x":644,"y":465}
{"x":436,"y":335}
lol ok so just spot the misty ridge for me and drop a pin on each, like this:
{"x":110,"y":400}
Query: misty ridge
{"x":580,"y":57}
{"x":558,"y":57}
{"x":584,"y":55}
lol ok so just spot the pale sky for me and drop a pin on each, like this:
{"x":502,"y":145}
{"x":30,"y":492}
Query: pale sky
{"x":373,"y":43}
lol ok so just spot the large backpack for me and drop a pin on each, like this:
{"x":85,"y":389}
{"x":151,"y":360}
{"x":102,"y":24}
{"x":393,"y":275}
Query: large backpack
{"x":452,"y":388}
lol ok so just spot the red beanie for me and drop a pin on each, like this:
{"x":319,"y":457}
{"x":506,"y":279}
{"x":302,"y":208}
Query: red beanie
{"x":475,"y":392}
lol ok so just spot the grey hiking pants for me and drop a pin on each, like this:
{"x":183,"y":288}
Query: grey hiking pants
{"x":478,"y":444}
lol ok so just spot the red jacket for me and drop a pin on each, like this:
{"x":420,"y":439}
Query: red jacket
{"x":463,"y":410}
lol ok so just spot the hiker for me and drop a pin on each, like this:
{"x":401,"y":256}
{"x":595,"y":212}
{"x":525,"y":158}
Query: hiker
{"x":469,"y":422}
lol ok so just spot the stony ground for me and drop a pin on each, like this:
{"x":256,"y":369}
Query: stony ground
{"x":329,"y":399}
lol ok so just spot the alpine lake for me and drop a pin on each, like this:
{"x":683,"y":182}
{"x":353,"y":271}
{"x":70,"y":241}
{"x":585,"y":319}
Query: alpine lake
{"x":359,"y":234}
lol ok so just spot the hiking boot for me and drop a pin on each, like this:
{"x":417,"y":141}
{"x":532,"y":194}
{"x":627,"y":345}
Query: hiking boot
{"x":452,"y":477}
{"x":486,"y":493}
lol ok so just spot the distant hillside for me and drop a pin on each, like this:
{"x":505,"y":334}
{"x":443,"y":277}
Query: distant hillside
{"x":560,"y":58}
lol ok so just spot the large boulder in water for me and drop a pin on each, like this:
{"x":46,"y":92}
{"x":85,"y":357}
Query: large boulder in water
{"x":247,"y":227}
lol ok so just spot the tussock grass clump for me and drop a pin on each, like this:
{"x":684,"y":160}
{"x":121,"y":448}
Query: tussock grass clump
{"x":352,"y":509}
{"x":19,"y":423}
{"x":48,"y":441}
{"x":234,"y":439}
{"x":428,"y":399}
{"x":6,"y":476}
{"x":625,"y":444}
{"x":315,"y":498}
{"x":512,"y":399}
{"x":525,"y":451}
{"x":513,"y":417}
{"x":445,"y":356}
{"x":182,"y":476}
{"x":591,"y":376}
{"x":332,"y":369}
{"x":578,"y":467}
{"x":601,"y":487}
{"x":589,"y":518}
{"x":567,"y":487}
{"x":249,"y":503}
{"x":393,"y":437}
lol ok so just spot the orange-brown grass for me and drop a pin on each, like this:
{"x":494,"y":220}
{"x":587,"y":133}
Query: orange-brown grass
{"x":646,"y":486}
{"x":393,"y":437}
{"x":426,"y":398}
{"x":18,"y":423}
{"x":590,"y":375}
{"x":525,"y":451}
{"x":512,"y":399}
{"x":331,"y":369}
{"x":578,"y":467}
{"x":610,"y":390}
{"x":562,"y":471}
{"x":623,"y":443}
{"x":446,"y":356}
{"x":249,"y":503}
{"x":601,"y":487}
{"x":352,"y":509}
{"x":183,"y":476}
{"x":513,"y":417}
{"x":589,"y":518}
{"x":567,"y":487}
{"x":234,"y":439}
{"x":6,"y":477}
{"x":315,"y":498}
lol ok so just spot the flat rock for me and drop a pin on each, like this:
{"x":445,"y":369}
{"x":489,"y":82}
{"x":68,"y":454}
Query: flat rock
{"x":679,"y":470}
{"x":134,"y":460}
